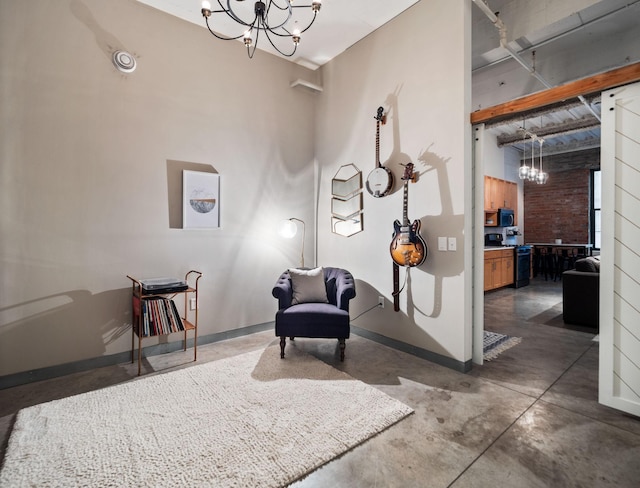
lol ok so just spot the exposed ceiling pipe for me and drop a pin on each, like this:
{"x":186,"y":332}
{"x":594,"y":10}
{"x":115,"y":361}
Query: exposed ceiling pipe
{"x":510,"y":140}
{"x":584,"y":23}
{"x":502,"y":30}
{"x":544,"y":111}
{"x":586,"y":104}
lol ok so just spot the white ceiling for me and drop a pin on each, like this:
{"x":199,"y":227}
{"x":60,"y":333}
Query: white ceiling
{"x":338,"y":26}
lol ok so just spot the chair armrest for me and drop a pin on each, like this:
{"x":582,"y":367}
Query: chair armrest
{"x":283,"y":291}
{"x":345,"y":290}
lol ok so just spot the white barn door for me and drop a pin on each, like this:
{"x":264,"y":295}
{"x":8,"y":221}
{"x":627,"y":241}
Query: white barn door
{"x":619,"y":385}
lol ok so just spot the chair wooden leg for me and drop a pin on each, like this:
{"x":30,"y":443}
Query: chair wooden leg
{"x":283,"y":342}
{"x":342,"y":347}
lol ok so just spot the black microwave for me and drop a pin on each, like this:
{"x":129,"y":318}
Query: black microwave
{"x":506,"y":217}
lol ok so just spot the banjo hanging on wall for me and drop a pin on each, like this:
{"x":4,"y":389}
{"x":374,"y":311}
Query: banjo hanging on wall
{"x":380,"y":180}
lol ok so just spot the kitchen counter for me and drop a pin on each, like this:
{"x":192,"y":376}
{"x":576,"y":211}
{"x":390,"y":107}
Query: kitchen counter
{"x":586,"y":248}
{"x":498,"y":248}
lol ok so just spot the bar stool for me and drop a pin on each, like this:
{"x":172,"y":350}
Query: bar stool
{"x":551,"y":263}
{"x":580,"y":253}
{"x":564,"y":262}
{"x":537,"y":260}
{"x":544,"y":262}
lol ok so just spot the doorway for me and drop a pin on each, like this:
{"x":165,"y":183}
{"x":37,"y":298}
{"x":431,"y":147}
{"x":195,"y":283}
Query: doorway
{"x":613,"y":372}
{"x":499,"y":142}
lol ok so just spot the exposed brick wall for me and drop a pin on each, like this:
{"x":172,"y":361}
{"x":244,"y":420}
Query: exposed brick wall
{"x":560,"y":208}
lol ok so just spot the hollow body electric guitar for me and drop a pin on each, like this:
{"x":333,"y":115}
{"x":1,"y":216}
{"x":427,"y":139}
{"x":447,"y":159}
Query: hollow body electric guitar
{"x":380,"y":180}
{"x":407,"y":246}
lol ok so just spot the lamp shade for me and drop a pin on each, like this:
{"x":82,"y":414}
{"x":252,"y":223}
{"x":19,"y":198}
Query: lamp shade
{"x":523,"y":172}
{"x":288,"y":229}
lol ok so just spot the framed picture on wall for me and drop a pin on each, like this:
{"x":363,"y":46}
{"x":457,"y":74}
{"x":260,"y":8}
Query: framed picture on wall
{"x":200,"y":200}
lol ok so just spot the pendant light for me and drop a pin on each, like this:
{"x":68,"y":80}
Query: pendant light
{"x":542,"y":177}
{"x":533,"y":171}
{"x":523,"y":172}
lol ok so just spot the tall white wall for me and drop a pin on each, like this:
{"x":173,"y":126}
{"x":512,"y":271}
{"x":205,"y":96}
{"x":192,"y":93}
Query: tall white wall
{"x":494,"y":157}
{"x":90,"y":165}
{"x":421,"y":77}
{"x":91,"y":160}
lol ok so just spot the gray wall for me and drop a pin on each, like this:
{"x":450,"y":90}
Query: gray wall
{"x":90,"y":168}
{"x":91,"y":162}
{"x":425,"y":86}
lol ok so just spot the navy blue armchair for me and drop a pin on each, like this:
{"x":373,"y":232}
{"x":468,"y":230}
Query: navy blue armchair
{"x":315,"y":318}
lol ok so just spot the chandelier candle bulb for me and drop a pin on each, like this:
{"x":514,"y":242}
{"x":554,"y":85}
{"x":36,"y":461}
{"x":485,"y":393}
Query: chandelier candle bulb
{"x":296,"y":34}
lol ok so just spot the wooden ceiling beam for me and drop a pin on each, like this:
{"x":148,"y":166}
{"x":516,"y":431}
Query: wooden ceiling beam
{"x":584,"y":87}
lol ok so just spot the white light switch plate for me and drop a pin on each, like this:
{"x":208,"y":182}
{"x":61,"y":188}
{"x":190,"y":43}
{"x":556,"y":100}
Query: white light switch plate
{"x":452,"y":244}
{"x":442,"y":243}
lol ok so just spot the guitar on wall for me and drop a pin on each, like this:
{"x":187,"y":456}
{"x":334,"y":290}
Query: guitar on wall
{"x":380,"y":180}
{"x":407,"y":246}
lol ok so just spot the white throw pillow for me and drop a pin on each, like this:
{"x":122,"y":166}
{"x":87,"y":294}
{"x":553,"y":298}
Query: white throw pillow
{"x":308,"y":286}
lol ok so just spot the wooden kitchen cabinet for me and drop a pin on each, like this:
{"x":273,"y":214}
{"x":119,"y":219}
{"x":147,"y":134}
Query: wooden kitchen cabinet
{"x":493,"y":193}
{"x":498,"y":268}
{"x":499,"y":194}
{"x":506,"y":269}
{"x":511,"y":195}
{"x":488,"y":272}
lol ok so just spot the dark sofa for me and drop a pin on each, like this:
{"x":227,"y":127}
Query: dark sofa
{"x":581,"y":293}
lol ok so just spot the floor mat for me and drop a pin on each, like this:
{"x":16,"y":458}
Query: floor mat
{"x":495,"y":344}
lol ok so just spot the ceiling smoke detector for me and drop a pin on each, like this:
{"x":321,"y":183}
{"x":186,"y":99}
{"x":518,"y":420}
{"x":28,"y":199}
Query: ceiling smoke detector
{"x":124,"y":61}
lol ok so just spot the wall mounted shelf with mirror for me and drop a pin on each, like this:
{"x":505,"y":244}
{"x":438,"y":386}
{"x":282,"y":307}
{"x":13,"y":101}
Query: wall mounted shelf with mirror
{"x":346,"y":201}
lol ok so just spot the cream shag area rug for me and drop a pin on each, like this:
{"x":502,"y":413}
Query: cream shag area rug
{"x":246,"y":421}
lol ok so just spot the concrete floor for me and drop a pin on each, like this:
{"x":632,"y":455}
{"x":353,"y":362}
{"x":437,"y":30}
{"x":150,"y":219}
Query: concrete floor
{"x":529,"y":418}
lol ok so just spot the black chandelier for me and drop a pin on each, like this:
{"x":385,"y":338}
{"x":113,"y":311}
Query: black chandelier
{"x":273,"y":17}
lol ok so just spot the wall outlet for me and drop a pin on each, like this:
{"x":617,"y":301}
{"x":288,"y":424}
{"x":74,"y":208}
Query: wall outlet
{"x":192,"y":304}
{"x":380,"y":302}
{"x":453,"y":245}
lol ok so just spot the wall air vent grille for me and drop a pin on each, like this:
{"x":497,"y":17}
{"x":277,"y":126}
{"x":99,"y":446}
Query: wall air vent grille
{"x":124,"y":61}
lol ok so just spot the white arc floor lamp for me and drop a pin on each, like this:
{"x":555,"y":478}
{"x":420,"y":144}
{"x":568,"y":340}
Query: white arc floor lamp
{"x":289,"y":228}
